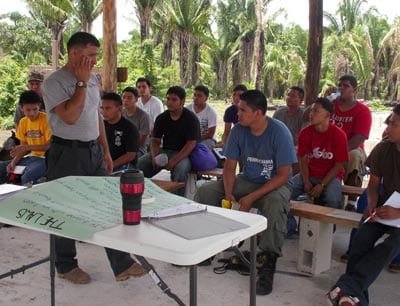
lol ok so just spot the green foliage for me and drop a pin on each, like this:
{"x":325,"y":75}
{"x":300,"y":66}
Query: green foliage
{"x":12,"y":82}
{"x":24,"y":39}
{"x":7,"y":122}
{"x":143,"y":60}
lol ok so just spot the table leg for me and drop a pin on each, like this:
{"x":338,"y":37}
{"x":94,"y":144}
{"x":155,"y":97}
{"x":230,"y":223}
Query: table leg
{"x":193,"y":285}
{"x":253,"y":272}
{"x":52,"y":268}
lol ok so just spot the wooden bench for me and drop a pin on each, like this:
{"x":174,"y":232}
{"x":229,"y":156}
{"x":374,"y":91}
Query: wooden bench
{"x":168,"y":185}
{"x":316,"y":233}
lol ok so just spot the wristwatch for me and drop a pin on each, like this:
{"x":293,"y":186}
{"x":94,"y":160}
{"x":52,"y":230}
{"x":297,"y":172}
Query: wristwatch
{"x":81,"y":84}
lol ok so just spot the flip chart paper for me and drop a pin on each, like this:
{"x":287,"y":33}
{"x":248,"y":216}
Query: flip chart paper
{"x":79,"y":206}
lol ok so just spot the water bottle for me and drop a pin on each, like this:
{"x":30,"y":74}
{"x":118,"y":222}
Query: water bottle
{"x":131,"y":188}
{"x":334,"y":96}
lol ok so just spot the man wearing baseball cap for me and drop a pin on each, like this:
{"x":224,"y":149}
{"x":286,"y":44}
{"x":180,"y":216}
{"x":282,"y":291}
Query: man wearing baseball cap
{"x":35,"y":81}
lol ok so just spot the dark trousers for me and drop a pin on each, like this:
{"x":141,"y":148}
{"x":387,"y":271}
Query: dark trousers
{"x":367,"y":260}
{"x":65,"y":158}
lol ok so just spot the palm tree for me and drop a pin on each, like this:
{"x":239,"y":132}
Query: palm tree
{"x":144,"y":11}
{"x":54,"y":15}
{"x":85,"y":12}
{"x":390,"y":51}
{"x":189,"y":19}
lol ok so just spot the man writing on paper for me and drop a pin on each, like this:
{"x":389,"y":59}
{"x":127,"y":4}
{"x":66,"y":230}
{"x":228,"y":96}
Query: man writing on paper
{"x":366,"y":260}
{"x":79,"y":145}
{"x":266,"y":148}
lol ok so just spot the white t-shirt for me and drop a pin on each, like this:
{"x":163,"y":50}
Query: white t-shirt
{"x":207,"y":118}
{"x":153,"y":107}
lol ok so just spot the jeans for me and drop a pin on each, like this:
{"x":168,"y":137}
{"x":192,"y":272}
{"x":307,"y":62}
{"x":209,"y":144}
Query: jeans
{"x":331,"y":196}
{"x":65,"y":160}
{"x":35,"y":169}
{"x":180,"y":172}
{"x":274,"y":206}
{"x":366,"y":260}
{"x":362,"y":204}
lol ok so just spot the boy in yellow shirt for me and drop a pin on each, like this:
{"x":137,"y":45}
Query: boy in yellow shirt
{"x":34,"y":134}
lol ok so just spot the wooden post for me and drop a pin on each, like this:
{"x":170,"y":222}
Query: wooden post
{"x":314,"y":51}
{"x":110,"y":45}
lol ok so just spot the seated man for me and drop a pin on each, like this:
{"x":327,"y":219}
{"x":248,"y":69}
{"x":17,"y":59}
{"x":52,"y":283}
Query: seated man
{"x":230,"y":114}
{"x":206,"y":115}
{"x":122,"y":135}
{"x":322,"y":150}
{"x":35,"y":81}
{"x":367,"y":258}
{"x":266,"y":147}
{"x":355,"y":119}
{"x":292,"y":114}
{"x":34,"y":135}
{"x":147,"y":102}
{"x":137,"y":116}
{"x":178,"y":130}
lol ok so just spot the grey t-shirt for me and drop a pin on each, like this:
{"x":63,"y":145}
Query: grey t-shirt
{"x":59,"y":87}
{"x":142,"y":122}
{"x":293,"y":122}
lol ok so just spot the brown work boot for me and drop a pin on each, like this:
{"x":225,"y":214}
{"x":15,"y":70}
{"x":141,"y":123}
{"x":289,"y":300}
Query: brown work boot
{"x":135,"y":270}
{"x":76,"y":276}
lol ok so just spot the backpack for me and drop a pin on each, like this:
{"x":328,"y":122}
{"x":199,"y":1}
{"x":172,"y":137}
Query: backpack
{"x":202,"y":159}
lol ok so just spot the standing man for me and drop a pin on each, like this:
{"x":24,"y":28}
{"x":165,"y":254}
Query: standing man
{"x":266,"y":148}
{"x":178,"y":130}
{"x":35,"y":81}
{"x":137,"y":116}
{"x":122,"y":135}
{"x":79,"y":145}
{"x":355,"y":119}
{"x":206,"y":115}
{"x":150,"y":104}
{"x":292,"y":114}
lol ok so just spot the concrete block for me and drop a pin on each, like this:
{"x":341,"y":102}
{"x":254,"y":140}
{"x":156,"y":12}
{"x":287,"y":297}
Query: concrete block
{"x":315,"y":246}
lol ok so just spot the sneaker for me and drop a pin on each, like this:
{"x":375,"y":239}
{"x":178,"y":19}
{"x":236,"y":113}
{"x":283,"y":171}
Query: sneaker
{"x":334,"y":296}
{"x":76,"y":276}
{"x":134,"y":270}
{"x":349,"y":301}
{"x":266,"y":274}
{"x":344,"y":258}
{"x":394,"y":267}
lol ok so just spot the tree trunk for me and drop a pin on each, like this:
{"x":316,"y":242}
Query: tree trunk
{"x":195,"y":60}
{"x":184,"y":41}
{"x":246,"y":56}
{"x":375,"y":83}
{"x":57,"y":30}
{"x":236,"y":74}
{"x":314,"y":51}
{"x":167,"y":52}
{"x":222,"y":78}
{"x":145,"y":21}
{"x":110,"y":46}
{"x":256,"y":64}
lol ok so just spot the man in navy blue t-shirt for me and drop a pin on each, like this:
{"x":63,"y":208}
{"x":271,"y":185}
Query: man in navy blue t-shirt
{"x":266,"y":148}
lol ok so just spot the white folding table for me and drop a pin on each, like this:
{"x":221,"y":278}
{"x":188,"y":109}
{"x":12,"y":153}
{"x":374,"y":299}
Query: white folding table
{"x":147,"y":240}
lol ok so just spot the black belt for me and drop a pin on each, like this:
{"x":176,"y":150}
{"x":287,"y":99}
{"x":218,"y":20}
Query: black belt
{"x":73,"y":143}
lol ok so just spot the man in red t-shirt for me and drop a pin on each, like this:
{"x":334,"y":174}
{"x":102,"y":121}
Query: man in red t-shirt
{"x":355,"y":119}
{"x":322,"y":152}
